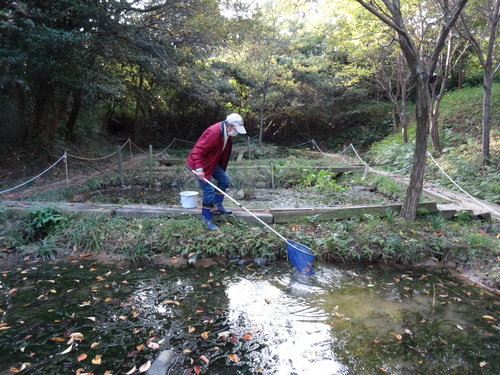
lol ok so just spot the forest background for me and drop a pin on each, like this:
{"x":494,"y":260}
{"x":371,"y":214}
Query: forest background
{"x":73,"y":71}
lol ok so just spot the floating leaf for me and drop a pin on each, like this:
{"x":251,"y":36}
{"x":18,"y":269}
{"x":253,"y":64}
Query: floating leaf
{"x":482,"y":364}
{"x":67,"y":350}
{"x":488,"y":317}
{"x":94,"y":345}
{"x":197,"y":370}
{"x":131,"y":371}
{"x":153,"y":345}
{"x":267,"y":300}
{"x":81,"y":357}
{"x":203,"y":358}
{"x":205,"y":335}
{"x":76,"y":336}
{"x":97,"y":360}
{"x":397,"y":335}
{"x":191,"y":329}
{"x":460,"y":327}
{"x":145,"y":367}
{"x":13,"y":290}
{"x":234,"y":357}
{"x":90,"y":318}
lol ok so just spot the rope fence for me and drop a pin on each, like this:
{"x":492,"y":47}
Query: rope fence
{"x":351,"y":147}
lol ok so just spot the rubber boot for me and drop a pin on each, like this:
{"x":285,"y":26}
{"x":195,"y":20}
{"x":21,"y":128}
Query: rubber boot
{"x":218,"y":207}
{"x":206,"y":212}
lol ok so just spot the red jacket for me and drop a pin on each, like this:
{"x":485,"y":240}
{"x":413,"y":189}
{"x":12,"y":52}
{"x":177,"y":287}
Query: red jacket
{"x":207,"y":152}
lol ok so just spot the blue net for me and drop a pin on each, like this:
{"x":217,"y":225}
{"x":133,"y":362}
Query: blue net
{"x":300,"y":256}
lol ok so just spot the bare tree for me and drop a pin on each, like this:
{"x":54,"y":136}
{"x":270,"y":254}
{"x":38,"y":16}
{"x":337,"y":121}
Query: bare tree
{"x":423,"y":67}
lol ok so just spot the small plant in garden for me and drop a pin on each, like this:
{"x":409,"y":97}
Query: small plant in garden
{"x":436,"y":221}
{"x":390,"y":215}
{"x":136,"y":252}
{"x":46,"y":249}
{"x":320,"y":180}
{"x":463,"y":217}
{"x":46,"y":220}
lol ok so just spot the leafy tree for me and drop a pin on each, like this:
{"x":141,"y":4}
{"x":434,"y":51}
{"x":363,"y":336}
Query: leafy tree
{"x":423,"y":66}
{"x":483,"y":35}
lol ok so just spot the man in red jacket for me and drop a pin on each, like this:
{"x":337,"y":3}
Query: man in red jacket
{"x":209,"y":158}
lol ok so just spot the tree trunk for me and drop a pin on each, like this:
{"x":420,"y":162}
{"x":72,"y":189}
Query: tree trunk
{"x":422,"y":112}
{"x":138,"y":104}
{"x":75,"y":110}
{"x":487,"y":82}
{"x":45,"y":119}
{"x":404,"y":117}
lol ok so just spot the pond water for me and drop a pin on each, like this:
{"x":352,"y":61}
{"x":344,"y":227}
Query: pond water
{"x":80,"y":317}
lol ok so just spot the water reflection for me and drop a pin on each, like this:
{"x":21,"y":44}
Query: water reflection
{"x":295,"y":333}
{"x":351,"y":319}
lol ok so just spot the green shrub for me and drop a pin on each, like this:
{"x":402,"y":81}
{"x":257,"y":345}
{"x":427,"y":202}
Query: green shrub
{"x":46,"y":220}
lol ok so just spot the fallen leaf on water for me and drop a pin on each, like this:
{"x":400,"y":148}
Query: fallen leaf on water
{"x":191,"y":329}
{"x":465,"y":292}
{"x":203,"y":358}
{"x":247,"y":337}
{"x":131,"y":371}
{"x":97,"y":360}
{"x":482,"y":364}
{"x":75,"y":336}
{"x":460,"y":327}
{"x":267,"y":300}
{"x":382,"y":369}
{"x":234,"y":357}
{"x":132,"y":353}
{"x":153,"y":345}
{"x":397,"y":335}
{"x":145,"y":367}
{"x":107,"y":372}
{"x":488,"y":317}
{"x":94,"y":345}
{"x":13,"y":290}
{"x":205,"y":335}
{"x":197,"y":370}
{"x":67,"y":350}
{"x":81,"y":357}
{"x":90,"y":318}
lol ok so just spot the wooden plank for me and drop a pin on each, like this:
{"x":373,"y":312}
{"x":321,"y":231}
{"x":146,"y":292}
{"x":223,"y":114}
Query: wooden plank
{"x":285,"y":215}
{"x":133,"y":211}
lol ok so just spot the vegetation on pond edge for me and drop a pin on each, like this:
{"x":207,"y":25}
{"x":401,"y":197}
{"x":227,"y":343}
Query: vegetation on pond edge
{"x":462,"y":243}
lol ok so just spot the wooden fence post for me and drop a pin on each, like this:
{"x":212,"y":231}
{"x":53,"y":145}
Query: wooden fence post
{"x":120,"y":164}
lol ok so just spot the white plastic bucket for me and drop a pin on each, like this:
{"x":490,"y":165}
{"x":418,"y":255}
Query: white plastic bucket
{"x":189,"y":199}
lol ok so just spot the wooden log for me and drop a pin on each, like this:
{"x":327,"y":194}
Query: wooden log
{"x":285,"y":215}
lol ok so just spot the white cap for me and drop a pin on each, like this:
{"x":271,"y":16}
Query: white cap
{"x":236,"y":120}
